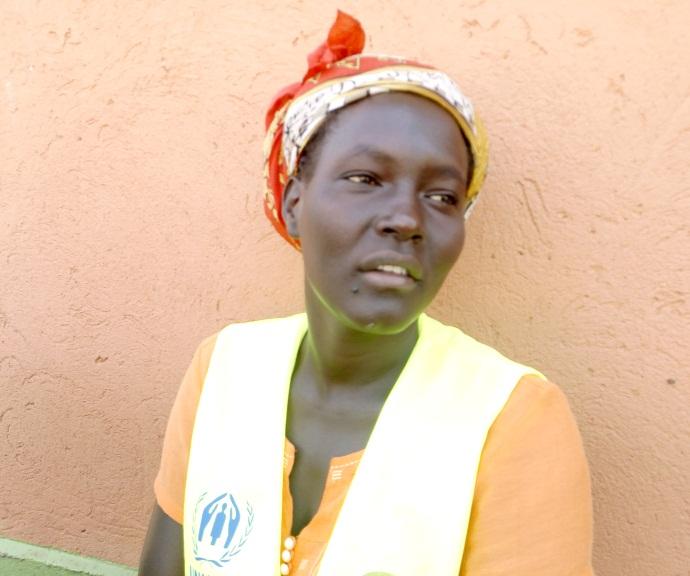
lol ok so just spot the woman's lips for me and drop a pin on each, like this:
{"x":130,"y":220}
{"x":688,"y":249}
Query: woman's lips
{"x":392,"y":263}
{"x":389,"y":279}
{"x":391,"y":270}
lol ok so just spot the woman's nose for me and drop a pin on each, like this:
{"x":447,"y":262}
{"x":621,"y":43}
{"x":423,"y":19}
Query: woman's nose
{"x":402,"y":219}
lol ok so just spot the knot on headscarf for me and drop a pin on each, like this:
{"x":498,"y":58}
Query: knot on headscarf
{"x":345,"y":38}
{"x":338,"y":75}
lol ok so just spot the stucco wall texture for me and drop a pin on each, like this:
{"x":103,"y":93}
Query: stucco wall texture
{"x":131,"y":228}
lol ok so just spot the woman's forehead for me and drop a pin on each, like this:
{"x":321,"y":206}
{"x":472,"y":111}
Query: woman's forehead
{"x":393,"y":125}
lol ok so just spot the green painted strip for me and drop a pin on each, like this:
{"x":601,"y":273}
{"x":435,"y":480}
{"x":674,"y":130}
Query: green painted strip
{"x":62,"y":559}
{"x":15,"y":567}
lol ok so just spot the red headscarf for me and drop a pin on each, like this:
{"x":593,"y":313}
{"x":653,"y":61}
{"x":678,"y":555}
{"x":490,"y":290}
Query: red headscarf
{"x":340,"y":57}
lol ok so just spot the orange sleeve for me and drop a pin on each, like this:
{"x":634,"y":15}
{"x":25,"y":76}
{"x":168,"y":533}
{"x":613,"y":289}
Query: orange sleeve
{"x":532,"y":510}
{"x":172,"y":475}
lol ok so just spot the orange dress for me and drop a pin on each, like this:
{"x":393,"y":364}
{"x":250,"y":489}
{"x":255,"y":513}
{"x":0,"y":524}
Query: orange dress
{"x":531,"y":514}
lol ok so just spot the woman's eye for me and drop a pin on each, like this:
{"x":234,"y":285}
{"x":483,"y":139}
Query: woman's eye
{"x":361,"y":179}
{"x":443,"y":198}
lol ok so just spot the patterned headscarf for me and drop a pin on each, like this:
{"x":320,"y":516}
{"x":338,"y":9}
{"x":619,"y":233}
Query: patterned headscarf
{"x":338,"y":75}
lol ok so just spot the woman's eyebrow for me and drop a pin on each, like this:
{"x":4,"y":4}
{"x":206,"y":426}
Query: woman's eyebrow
{"x":378,"y":155}
{"x":447,"y":171}
{"x":371,"y":152}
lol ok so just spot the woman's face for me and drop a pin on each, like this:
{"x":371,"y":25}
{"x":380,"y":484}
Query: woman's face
{"x":380,"y":215}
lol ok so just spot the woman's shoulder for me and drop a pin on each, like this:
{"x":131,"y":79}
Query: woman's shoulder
{"x":532,"y":509}
{"x":194,"y":377}
{"x":534,"y":389}
{"x":535,"y":425}
{"x":535,"y":398}
{"x":198,"y":368}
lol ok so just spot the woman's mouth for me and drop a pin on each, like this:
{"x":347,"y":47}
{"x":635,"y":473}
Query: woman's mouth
{"x":389,"y":277}
{"x":392,"y":269}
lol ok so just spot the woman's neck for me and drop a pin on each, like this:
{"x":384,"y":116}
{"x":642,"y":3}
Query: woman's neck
{"x":337,"y":356}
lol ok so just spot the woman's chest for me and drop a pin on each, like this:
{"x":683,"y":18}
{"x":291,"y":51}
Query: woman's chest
{"x":319,"y":437}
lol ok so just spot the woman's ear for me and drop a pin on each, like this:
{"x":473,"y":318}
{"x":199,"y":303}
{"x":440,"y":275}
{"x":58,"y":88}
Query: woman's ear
{"x":292,"y":205}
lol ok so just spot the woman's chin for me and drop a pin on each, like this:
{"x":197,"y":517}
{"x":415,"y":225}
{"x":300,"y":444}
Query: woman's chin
{"x":368,"y":313}
{"x":379,"y":322}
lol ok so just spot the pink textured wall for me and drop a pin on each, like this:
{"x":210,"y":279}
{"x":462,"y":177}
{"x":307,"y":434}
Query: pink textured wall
{"x":131,"y":227}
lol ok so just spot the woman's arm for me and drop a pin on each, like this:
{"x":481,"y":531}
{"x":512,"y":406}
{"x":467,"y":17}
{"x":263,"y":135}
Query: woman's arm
{"x":532,"y":512}
{"x":163,"y":553}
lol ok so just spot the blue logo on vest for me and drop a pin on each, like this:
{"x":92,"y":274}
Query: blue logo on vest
{"x":220,"y":528}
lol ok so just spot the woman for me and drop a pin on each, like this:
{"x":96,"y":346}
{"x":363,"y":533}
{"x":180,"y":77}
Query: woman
{"x":473,"y":464}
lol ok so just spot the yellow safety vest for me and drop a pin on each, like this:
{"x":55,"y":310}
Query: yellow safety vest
{"x":408,"y":507}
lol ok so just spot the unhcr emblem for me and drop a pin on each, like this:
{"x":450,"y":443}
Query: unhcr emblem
{"x":220,"y":528}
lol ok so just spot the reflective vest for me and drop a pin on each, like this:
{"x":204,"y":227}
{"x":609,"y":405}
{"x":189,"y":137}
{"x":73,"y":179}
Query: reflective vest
{"x":407,"y":510}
